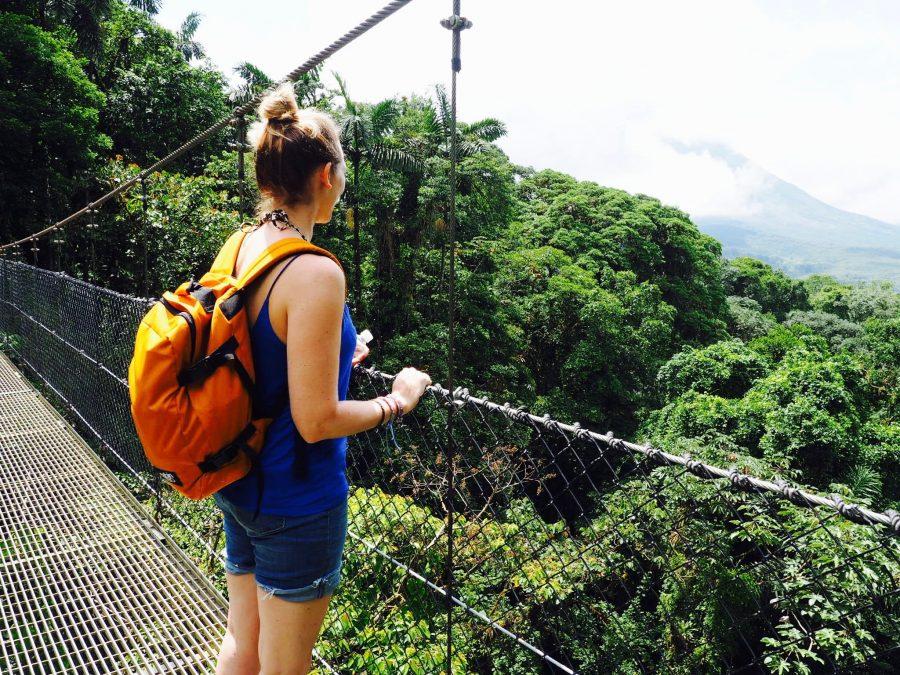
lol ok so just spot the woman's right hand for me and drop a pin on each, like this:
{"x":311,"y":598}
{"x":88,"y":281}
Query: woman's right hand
{"x":409,"y":385}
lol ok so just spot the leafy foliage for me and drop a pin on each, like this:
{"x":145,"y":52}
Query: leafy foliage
{"x":839,"y":332}
{"x":156,"y":100}
{"x":51,"y":133}
{"x":773,"y":290}
{"x":727,"y":368}
{"x":602,"y":229}
{"x":575,"y":299}
{"x":746,"y":319}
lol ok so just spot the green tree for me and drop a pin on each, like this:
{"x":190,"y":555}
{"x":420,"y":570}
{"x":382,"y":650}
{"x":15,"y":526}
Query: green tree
{"x":727,"y":368}
{"x":187,"y":45}
{"x":408,"y":210}
{"x":772,"y":289}
{"x":808,"y":414}
{"x":50,"y":131}
{"x":80,"y":20}
{"x":874,"y":300}
{"x":746,"y":319}
{"x":841,"y":334}
{"x":589,"y":347}
{"x":156,"y":100}
{"x":187,"y":220}
{"x":881,"y":360}
{"x":254,"y":82}
{"x":363,"y":135}
{"x":602,"y":228}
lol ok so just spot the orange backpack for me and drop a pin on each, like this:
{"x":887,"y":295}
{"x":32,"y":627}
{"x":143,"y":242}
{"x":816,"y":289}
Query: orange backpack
{"x":191,"y":379}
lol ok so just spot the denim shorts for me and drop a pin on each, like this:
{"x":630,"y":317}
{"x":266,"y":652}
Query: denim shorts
{"x":297,"y":558}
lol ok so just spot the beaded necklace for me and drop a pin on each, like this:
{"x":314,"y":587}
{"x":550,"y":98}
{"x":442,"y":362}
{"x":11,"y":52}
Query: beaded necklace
{"x":280,"y":219}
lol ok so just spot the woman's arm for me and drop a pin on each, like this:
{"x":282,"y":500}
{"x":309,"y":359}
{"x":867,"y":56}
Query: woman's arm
{"x":314,"y":290}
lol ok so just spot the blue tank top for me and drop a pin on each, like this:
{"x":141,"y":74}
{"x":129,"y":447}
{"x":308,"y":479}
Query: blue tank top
{"x":325,"y":484}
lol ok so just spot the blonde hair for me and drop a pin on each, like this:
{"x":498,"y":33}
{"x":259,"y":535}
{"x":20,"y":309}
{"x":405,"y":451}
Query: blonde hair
{"x":290,"y":143}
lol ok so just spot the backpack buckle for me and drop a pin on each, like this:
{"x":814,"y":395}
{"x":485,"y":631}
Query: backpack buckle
{"x":205,"y":296}
{"x":219,"y":459}
{"x":206,"y":366}
{"x":226,"y":455}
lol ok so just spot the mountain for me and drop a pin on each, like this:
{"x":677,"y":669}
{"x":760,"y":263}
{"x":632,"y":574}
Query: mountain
{"x":795,"y":232}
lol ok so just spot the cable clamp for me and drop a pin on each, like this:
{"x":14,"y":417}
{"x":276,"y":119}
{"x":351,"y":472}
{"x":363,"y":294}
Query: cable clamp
{"x":456,"y":22}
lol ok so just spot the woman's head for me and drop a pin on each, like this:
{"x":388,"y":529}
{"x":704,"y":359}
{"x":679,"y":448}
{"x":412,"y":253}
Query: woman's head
{"x":299,"y":159}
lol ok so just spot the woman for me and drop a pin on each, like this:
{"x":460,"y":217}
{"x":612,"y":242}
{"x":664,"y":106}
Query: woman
{"x":282,"y":568}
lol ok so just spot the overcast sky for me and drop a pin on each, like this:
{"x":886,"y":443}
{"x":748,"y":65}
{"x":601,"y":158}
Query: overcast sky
{"x":809,"y":90}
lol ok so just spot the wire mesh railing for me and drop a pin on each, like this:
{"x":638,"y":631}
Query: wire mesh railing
{"x":572,"y":551}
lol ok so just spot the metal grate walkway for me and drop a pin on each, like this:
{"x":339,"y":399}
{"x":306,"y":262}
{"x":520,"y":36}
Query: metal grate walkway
{"x":88,"y":582}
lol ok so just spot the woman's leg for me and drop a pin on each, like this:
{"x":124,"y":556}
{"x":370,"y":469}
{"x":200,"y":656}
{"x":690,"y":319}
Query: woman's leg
{"x":288,"y":632}
{"x":239,"y":654}
{"x":291,"y":606}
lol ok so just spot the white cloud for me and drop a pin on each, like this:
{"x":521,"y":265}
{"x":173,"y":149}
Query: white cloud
{"x":809,"y":90}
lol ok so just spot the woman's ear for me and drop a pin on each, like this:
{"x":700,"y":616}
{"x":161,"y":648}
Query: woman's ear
{"x":326,"y":175}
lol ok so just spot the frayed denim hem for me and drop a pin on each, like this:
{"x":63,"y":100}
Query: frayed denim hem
{"x":319,"y":588}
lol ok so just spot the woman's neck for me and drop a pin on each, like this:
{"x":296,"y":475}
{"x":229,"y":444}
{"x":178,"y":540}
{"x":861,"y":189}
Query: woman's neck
{"x":303,"y":216}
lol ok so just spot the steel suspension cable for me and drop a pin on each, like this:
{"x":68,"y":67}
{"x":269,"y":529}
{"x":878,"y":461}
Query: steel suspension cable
{"x":236,"y":115}
{"x":456,"y":24}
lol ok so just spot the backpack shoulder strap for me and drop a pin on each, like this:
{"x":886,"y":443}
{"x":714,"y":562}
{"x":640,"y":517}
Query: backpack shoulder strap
{"x":278,"y":251}
{"x":225,"y":261}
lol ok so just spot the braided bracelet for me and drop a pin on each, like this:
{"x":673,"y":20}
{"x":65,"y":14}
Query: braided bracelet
{"x":391,"y":407}
{"x":382,"y":408}
{"x":392,"y":402}
{"x":396,"y":400}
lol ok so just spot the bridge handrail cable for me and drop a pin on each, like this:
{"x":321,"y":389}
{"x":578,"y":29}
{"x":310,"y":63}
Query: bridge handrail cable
{"x":461,"y":397}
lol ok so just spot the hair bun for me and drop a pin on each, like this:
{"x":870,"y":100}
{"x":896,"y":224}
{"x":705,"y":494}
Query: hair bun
{"x":279,"y":105}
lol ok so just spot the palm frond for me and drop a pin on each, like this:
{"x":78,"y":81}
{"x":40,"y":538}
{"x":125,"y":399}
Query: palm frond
{"x":190,"y":48}
{"x":253,"y":76}
{"x":864,"y":481}
{"x":190,"y":25}
{"x":255,"y":81}
{"x":488,"y":129}
{"x":467,"y":147}
{"x":84,"y":18}
{"x":430,"y":123}
{"x":383,"y":117}
{"x":356,"y":132}
{"x":307,"y":87}
{"x":149,"y":6}
{"x":342,"y":87}
{"x":443,"y":110}
{"x":394,"y":159}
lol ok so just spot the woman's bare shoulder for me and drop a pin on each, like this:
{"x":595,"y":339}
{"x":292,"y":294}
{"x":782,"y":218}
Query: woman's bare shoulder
{"x":319,"y":277}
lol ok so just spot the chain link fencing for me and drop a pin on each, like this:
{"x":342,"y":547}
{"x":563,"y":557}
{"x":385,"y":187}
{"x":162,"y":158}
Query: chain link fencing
{"x":571,"y":551}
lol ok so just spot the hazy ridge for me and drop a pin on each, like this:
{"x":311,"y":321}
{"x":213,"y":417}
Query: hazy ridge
{"x":792,"y":230}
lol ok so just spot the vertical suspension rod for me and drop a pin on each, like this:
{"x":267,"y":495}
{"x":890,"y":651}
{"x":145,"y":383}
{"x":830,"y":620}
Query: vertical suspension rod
{"x":456,"y":24}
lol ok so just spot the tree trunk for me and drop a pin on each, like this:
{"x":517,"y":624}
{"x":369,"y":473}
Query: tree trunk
{"x":357,"y":222}
{"x":387,"y":290}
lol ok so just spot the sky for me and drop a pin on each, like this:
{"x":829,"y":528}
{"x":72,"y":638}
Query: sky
{"x":614,"y":91}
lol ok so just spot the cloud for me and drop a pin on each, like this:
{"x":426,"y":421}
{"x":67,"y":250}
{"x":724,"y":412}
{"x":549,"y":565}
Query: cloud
{"x":702,"y":178}
{"x":809,"y":89}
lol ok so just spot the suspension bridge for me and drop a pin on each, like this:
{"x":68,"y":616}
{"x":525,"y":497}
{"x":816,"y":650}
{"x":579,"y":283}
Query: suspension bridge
{"x":90,"y":582}
{"x":482,"y":538}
